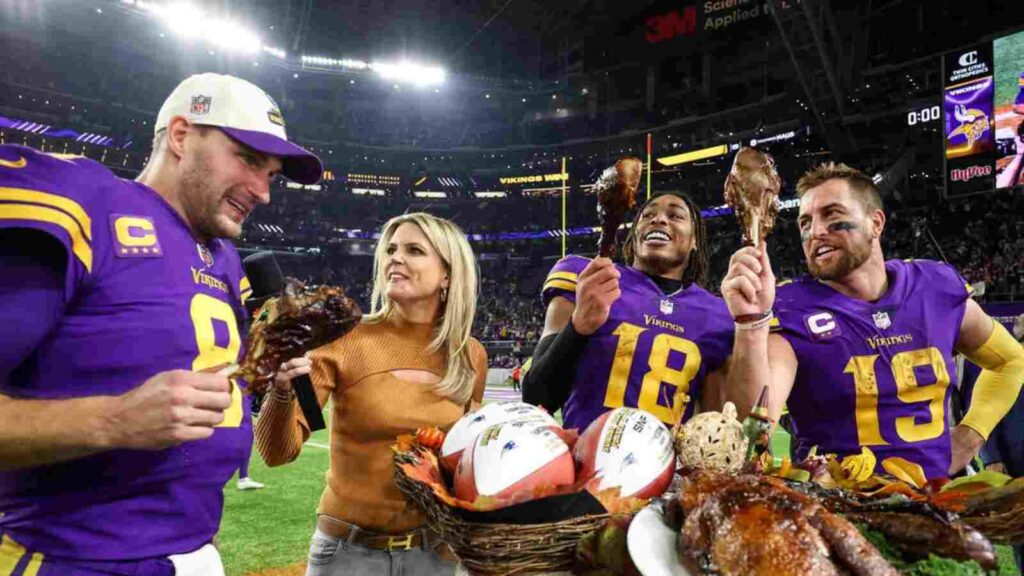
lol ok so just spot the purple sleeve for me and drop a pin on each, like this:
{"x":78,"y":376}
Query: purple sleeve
{"x":562,"y":279}
{"x":32,"y":292}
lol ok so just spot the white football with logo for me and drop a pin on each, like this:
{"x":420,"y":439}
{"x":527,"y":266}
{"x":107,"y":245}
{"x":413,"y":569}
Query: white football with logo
{"x":467,"y":428}
{"x":627,"y":448}
{"x":509,"y":458}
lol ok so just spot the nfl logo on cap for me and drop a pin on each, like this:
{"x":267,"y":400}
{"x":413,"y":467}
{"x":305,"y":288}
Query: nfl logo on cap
{"x":200,"y":104}
{"x":244,"y":113}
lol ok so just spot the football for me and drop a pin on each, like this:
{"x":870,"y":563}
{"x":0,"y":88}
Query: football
{"x":627,"y":448}
{"x":511,"y":458}
{"x":467,"y":428}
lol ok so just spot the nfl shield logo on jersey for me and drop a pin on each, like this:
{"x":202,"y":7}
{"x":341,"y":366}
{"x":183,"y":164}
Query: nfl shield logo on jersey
{"x":205,"y":255}
{"x":881,"y":319}
{"x":667,"y":306}
{"x":200,"y":104}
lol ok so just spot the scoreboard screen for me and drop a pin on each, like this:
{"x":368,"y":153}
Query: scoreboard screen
{"x":1008,"y":53}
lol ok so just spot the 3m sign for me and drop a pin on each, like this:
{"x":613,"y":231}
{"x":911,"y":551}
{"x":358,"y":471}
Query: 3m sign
{"x":661,"y":27}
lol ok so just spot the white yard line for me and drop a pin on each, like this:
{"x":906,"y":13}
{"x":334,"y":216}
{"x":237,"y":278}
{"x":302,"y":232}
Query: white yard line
{"x":318,"y":445}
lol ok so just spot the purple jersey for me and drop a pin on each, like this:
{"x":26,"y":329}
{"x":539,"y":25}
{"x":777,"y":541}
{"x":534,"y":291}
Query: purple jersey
{"x":876,"y":374}
{"x":141,"y":297}
{"x":654,"y":351}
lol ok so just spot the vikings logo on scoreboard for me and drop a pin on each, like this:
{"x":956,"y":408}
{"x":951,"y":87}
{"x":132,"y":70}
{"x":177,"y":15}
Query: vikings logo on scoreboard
{"x":973,"y":124}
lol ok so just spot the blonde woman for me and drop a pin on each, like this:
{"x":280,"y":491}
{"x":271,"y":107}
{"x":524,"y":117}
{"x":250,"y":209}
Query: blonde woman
{"x":411,"y":363}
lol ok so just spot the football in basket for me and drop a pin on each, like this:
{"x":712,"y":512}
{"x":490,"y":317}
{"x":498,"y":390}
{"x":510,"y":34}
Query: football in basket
{"x":513,"y":458}
{"x":467,"y":428}
{"x":627,"y":448}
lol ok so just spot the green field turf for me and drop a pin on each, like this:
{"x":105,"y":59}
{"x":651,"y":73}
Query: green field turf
{"x":271,"y":528}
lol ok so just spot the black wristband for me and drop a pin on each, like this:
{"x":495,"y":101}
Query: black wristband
{"x":548,"y":382}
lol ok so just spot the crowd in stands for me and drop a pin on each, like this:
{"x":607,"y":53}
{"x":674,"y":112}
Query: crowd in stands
{"x":981,"y":235}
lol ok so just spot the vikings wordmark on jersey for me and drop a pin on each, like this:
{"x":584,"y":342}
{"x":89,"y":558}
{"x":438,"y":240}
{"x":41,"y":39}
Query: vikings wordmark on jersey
{"x":654,"y":351}
{"x":876,"y":374}
{"x":142,"y":298}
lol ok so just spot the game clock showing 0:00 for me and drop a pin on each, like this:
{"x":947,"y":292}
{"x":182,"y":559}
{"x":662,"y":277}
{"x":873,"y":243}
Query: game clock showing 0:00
{"x":923,"y":115}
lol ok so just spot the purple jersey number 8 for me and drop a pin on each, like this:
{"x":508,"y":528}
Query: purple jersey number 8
{"x":205,"y":310}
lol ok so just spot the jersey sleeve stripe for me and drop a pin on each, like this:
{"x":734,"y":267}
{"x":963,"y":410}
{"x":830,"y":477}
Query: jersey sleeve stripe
{"x":34,"y":564}
{"x":74,"y":209}
{"x":570,"y":276}
{"x":10,"y":554}
{"x":559,"y":284}
{"x":79,"y":245}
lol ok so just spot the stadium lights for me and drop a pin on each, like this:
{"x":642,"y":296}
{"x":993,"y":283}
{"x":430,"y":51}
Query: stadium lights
{"x":275,"y":52}
{"x":409,"y":72}
{"x":191,"y":22}
{"x":405,"y":72}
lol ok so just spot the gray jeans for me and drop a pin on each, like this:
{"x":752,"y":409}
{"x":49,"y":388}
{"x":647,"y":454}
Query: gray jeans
{"x":336,"y":557}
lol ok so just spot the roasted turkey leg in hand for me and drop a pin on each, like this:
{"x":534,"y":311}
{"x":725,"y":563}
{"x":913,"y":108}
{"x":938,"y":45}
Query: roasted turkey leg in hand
{"x":300,"y":319}
{"x":751,"y":189}
{"x":616,"y":195}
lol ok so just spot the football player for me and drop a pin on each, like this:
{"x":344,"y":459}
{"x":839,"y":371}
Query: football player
{"x":121,"y":300}
{"x":643,"y":334}
{"x":862,"y":348}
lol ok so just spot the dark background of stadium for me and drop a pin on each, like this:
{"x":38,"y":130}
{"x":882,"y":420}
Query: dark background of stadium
{"x":529,"y":82}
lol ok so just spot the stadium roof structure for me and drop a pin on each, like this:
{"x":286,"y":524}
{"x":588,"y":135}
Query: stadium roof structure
{"x":521,"y":74}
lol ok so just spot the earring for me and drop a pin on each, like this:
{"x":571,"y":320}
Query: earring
{"x":444,"y":294}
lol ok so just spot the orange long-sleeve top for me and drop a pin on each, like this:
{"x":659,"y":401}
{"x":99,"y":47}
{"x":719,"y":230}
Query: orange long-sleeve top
{"x":371,"y":407}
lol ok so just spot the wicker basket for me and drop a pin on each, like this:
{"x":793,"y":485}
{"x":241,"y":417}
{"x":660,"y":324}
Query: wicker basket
{"x":999,"y":514}
{"x":498,"y":548}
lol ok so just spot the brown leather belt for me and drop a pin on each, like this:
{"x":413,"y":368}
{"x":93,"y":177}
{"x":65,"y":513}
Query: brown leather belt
{"x":343,"y":530}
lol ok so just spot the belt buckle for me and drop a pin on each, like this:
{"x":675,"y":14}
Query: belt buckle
{"x":403,"y":543}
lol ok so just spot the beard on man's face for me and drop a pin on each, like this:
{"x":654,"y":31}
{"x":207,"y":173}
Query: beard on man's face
{"x":201,"y":200}
{"x":852,"y":256}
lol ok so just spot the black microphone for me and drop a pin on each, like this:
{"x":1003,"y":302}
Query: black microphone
{"x":267,"y":281}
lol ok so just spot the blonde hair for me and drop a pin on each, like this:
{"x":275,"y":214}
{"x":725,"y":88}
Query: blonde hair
{"x":457,"y":312}
{"x":860,"y":183}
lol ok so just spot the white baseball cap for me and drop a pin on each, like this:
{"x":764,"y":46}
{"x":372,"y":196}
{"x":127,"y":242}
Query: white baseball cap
{"x":244,"y":112}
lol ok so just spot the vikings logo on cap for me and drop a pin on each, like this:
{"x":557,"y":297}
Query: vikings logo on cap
{"x":274,"y":114}
{"x":200,"y":105}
